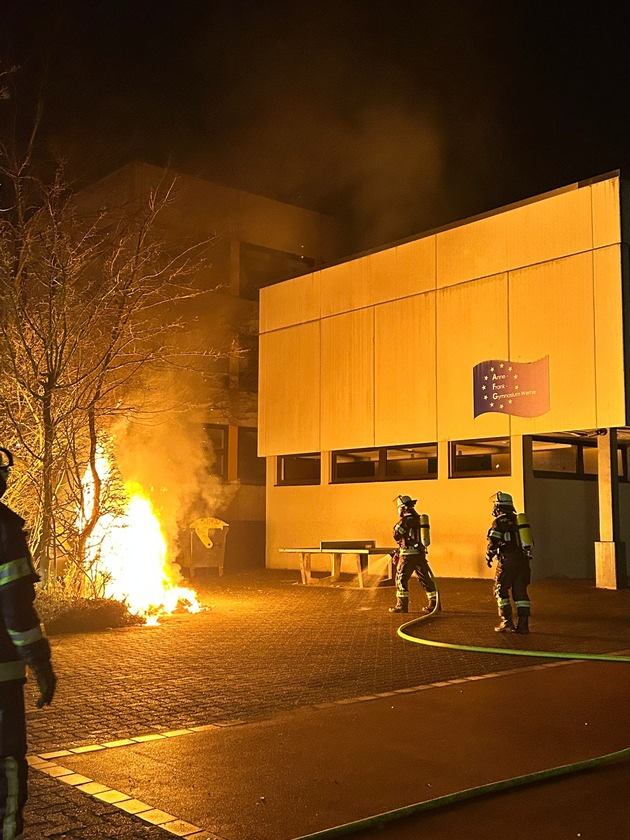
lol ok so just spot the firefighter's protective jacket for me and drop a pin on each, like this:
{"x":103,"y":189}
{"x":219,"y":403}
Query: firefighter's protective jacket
{"x":503,"y":536}
{"x":21,"y":638}
{"x":407,"y":533}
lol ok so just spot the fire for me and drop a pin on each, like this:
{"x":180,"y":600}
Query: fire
{"x":128,"y":554}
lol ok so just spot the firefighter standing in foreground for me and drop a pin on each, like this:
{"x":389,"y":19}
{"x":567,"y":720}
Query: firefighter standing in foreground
{"x":21,"y":642}
{"x":411,"y":532}
{"x":510,"y":542}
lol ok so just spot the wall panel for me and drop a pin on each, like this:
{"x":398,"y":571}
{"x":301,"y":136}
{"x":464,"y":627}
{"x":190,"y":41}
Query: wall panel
{"x":347,"y":368}
{"x":609,"y":359}
{"x":551,"y":313}
{"x":347,"y":286}
{"x":402,"y":271}
{"x":605,"y":197}
{"x":541,"y":230}
{"x":472,"y":327}
{"x":290,"y":390}
{"x":405,"y":380}
{"x":292,"y":302}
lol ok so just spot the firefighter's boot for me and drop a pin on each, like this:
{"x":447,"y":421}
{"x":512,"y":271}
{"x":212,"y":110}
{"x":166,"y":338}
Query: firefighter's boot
{"x":434,"y":605}
{"x":506,"y":625}
{"x":522,"y":625}
{"x":402,"y":605}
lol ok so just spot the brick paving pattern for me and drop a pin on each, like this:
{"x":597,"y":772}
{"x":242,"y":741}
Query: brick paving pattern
{"x":268,"y":645}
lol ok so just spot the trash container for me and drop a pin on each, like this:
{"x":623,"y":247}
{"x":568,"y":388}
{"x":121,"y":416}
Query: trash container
{"x":207,"y":544}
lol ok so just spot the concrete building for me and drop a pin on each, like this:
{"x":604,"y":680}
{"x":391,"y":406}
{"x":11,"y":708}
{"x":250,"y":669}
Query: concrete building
{"x":253,"y":241}
{"x":490,"y":354}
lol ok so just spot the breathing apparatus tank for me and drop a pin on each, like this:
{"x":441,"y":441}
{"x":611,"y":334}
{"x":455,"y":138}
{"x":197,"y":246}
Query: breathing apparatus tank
{"x":524,"y":531}
{"x":425,"y":530}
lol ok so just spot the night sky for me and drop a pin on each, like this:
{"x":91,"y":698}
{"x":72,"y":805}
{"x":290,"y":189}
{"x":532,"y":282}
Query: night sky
{"x":399,"y":116}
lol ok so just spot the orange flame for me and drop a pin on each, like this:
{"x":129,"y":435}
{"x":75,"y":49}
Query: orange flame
{"x":128,"y":555}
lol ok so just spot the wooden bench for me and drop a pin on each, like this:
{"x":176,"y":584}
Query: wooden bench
{"x":361,"y":549}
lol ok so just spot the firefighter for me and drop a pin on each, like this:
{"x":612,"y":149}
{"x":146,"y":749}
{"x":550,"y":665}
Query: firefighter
{"x":412,"y":556}
{"x":512,"y":552}
{"x":21,"y":643}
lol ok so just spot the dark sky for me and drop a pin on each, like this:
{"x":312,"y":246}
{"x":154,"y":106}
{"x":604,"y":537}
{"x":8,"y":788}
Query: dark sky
{"x":401,"y":116}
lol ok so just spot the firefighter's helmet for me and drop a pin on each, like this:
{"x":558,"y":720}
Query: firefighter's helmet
{"x":503,"y":502}
{"x":404,"y":502}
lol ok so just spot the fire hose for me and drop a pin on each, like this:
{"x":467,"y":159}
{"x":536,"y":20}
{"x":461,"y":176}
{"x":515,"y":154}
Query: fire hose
{"x":379,"y":820}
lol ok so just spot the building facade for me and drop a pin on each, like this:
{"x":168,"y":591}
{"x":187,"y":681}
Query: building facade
{"x":488,"y":355}
{"x":251,"y":241}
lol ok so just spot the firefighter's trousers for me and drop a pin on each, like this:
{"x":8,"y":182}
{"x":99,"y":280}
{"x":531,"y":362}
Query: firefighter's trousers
{"x":13,"y":766}
{"x":408,"y":564}
{"x":512,"y":576}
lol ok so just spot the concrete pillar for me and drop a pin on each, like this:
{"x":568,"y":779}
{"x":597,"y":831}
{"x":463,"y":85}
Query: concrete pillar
{"x":610,"y":557}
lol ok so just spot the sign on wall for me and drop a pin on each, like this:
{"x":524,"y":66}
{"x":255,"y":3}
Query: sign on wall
{"x":519,"y":388}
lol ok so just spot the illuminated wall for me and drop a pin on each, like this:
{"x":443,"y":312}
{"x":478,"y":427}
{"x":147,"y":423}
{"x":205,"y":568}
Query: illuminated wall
{"x":380,"y":351}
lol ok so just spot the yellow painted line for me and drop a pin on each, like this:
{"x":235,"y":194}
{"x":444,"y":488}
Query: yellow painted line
{"x":91,"y":748}
{"x":133,"y":806}
{"x":74,"y":779}
{"x":111,"y":796}
{"x":142,"y":739}
{"x":174,"y":732}
{"x":92,"y":788}
{"x":156,"y":817}
{"x":180,"y":828}
{"x":55,"y":770}
{"x":123,"y":742}
{"x":58,"y":754}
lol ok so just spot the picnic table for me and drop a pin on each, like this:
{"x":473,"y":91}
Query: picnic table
{"x":361,"y":549}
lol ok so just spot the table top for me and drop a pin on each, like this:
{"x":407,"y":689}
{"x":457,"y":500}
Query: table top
{"x":318,"y":550}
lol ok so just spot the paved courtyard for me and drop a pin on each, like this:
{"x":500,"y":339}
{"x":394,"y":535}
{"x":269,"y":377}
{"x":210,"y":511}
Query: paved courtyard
{"x":267,"y":645}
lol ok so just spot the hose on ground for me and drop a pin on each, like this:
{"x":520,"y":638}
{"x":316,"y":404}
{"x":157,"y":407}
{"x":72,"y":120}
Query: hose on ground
{"x":378,"y":820}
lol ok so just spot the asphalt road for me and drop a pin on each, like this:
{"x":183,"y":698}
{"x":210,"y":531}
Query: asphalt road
{"x":269,"y":648}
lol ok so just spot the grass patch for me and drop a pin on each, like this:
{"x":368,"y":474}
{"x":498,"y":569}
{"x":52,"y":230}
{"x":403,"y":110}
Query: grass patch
{"x":63,"y":613}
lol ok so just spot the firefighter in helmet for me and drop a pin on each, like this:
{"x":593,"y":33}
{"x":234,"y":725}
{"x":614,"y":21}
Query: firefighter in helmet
{"x":411,"y":556}
{"x":509,"y":542}
{"x":21,"y":643}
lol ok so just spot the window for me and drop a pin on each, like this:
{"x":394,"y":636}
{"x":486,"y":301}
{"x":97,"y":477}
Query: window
{"x":555,"y":457}
{"x":470,"y":458}
{"x":411,"y":461}
{"x":418,"y":461}
{"x":299,"y":469}
{"x":261,"y":267}
{"x":215,"y":445}
{"x":571,"y":458}
{"x":251,"y":468}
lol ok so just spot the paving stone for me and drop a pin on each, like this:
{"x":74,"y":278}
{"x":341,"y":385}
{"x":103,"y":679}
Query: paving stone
{"x":269,"y":646}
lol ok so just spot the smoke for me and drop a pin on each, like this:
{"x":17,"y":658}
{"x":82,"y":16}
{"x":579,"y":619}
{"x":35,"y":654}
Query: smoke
{"x":387,"y":115}
{"x":168,"y":454}
{"x":335,"y":106}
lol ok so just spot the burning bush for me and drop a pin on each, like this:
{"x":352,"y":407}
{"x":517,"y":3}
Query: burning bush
{"x":63,"y":613}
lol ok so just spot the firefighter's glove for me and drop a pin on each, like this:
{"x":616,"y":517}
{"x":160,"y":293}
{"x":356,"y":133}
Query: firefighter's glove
{"x":489,"y":560}
{"x":47,"y":682}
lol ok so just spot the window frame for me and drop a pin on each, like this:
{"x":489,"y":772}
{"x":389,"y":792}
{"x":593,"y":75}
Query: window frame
{"x":243,"y":432}
{"x":381,"y":464}
{"x":452,"y":455}
{"x":283,"y":482}
{"x":581,"y":444}
{"x":225,"y":429}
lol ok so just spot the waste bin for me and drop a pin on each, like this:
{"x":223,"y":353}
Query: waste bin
{"x":207,"y":544}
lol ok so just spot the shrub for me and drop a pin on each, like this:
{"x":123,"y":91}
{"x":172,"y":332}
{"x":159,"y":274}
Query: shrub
{"x":63,"y":613}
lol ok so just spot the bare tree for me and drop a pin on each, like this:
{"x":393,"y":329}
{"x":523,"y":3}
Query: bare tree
{"x":92,"y":308}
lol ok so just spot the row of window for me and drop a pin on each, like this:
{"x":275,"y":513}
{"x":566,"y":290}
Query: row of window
{"x":554,"y":458}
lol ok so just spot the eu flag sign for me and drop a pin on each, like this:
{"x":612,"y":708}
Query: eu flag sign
{"x":519,"y":388}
